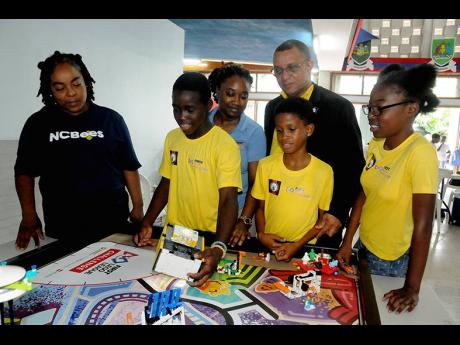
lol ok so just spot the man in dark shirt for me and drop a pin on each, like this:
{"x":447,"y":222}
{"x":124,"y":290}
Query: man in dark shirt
{"x":336,"y":139}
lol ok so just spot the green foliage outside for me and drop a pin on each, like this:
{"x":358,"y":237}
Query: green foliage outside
{"x":437,"y":122}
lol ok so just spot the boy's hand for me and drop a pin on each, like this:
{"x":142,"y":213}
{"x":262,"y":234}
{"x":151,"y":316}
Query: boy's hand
{"x":144,"y":236}
{"x":286,"y":251}
{"x":271,"y":241}
{"x":211,"y":258}
{"x":239,"y":235}
{"x":344,"y":253}
{"x":400,"y":299}
{"x":328,"y":224}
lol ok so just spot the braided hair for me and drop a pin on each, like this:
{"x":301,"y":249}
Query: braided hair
{"x":47,"y":68}
{"x":416,"y":83}
{"x":221,"y":74}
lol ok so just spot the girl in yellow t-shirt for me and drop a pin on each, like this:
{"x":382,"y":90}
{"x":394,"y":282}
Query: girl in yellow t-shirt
{"x":292,"y":188}
{"x":399,"y":183}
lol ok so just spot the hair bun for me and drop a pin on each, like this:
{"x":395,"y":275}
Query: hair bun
{"x":392,"y":68}
{"x":423,"y":76}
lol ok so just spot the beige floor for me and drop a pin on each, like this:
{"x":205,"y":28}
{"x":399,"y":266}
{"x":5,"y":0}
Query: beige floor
{"x":442,"y":271}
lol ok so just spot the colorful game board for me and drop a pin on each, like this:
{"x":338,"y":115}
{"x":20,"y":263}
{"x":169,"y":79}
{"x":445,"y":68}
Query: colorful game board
{"x":64,"y":294}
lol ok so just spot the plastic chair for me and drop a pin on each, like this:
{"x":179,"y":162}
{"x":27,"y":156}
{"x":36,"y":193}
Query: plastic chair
{"x":442,"y":175}
{"x":455,"y":189}
{"x":146,"y":191}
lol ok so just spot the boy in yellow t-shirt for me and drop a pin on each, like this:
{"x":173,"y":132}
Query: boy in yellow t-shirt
{"x":399,"y":183}
{"x":292,"y":188}
{"x":200,"y":173}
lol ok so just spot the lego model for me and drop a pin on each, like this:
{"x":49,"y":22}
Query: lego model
{"x":301,"y":284}
{"x":346,"y":267}
{"x":175,"y":252}
{"x":311,"y":298}
{"x":164,"y":308}
{"x":25,"y":283}
{"x":328,"y":269}
{"x":15,"y":277}
{"x":231,"y":267}
{"x":14,"y":282}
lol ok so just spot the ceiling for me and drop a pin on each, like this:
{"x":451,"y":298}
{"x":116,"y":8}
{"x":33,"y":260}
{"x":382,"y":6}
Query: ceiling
{"x":241,"y":40}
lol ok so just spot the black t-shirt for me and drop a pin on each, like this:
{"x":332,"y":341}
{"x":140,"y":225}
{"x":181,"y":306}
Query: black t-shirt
{"x":79,"y":159}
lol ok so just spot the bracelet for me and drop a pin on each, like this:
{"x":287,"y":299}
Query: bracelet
{"x":246,"y":220}
{"x":221,"y":245}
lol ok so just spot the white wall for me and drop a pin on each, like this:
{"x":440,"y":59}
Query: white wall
{"x":134,"y":63}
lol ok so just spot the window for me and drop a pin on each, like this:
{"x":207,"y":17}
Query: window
{"x":446,"y":87}
{"x":438,"y":32}
{"x":261,"y":112}
{"x":369,"y":82}
{"x":251,"y":109}
{"x":348,"y":84}
{"x":254,"y":82}
{"x":267,"y":82}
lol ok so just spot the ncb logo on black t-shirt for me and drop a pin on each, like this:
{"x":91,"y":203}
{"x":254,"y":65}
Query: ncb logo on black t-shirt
{"x":59,"y":135}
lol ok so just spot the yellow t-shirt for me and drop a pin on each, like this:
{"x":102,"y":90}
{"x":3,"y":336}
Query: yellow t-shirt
{"x":292,"y":198}
{"x":197,"y":169}
{"x":389,"y":180}
{"x":276,"y":148}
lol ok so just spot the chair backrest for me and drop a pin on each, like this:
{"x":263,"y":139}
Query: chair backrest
{"x":146,"y":189}
{"x":454,"y":181}
{"x":444,"y":173}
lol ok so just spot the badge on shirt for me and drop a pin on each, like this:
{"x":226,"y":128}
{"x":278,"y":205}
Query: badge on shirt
{"x":371,"y":162}
{"x":173,"y":155}
{"x":274,"y":186}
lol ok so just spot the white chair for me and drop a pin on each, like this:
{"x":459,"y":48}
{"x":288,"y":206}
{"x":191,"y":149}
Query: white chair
{"x":442,"y":176}
{"x":455,"y":190}
{"x":146,"y":191}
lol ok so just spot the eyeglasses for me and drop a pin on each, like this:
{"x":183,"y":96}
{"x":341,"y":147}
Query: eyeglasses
{"x":291,"y":69}
{"x":377,"y":111}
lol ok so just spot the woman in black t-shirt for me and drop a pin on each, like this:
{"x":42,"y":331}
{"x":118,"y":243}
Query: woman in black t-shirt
{"x":84,"y":157}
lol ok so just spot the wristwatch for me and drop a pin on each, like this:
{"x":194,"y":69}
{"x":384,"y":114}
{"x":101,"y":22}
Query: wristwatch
{"x":246,"y":220}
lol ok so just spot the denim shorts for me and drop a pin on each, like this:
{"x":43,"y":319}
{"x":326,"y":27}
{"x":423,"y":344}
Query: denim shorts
{"x":396,"y":268}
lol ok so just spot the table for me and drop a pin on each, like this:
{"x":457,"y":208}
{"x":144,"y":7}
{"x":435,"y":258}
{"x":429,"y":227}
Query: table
{"x":109,"y":282}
